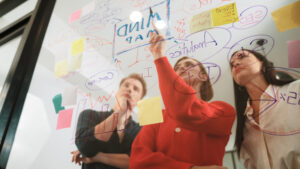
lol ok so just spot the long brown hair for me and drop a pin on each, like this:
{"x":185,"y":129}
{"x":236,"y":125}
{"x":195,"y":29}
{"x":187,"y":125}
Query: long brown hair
{"x":241,"y":95}
{"x":206,"y":89}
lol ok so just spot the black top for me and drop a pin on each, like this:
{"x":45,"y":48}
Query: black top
{"x":89,"y":146}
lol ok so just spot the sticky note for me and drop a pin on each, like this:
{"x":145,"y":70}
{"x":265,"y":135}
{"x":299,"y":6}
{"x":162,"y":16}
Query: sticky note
{"x":75,"y":16}
{"x":149,"y":111}
{"x":60,"y":68}
{"x":294,"y":53}
{"x":201,"y":22}
{"x":224,"y":15}
{"x":88,"y":8}
{"x":64,"y":119}
{"x":287,"y":17}
{"x":57,"y":101}
{"x":69,"y":96}
{"x":74,"y":62}
{"x":77,"y":46}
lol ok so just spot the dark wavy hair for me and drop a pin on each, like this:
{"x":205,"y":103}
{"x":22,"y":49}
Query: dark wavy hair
{"x":241,"y":96}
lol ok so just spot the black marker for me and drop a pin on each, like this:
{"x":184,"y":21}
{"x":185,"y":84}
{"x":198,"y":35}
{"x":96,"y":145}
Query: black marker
{"x":151,"y":12}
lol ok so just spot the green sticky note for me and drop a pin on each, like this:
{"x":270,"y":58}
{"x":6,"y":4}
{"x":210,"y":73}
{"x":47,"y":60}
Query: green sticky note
{"x":57,"y":100}
{"x":150,"y":111}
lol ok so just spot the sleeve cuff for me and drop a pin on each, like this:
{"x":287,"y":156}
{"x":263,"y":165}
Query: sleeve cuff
{"x":160,"y":60}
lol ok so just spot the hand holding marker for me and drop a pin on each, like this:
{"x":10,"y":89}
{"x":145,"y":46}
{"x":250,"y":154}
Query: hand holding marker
{"x":157,"y":42}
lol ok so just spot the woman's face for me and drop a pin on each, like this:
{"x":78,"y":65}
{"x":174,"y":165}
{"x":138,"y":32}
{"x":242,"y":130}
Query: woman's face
{"x":244,"y":67}
{"x":189,"y":70}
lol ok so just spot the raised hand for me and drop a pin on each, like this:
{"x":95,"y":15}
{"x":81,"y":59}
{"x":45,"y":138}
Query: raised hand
{"x":158,"y":44}
{"x":122,"y":103}
{"x":122,"y":108}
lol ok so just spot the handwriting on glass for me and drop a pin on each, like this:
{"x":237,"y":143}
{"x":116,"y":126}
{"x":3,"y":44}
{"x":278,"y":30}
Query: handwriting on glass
{"x":101,"y":79}
{"x":251,"y":17}
{"x":291,"y":97}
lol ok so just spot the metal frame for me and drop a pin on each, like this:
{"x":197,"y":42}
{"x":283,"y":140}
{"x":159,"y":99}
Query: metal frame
{"x":15,"y":29}
{"x":20,"y":74}
{"x":232,"y":157}
{"x":8,"y":5}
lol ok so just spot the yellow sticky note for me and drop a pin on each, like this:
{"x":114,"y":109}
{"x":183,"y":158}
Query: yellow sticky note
{"x":77,"y":47}
{"x":75,"y":62}
{"x":60,"y":68}
{"x":225,"y":14}
{"x":201,"y":22}
{"x":150,"y":111}
{"x":287,"y":17}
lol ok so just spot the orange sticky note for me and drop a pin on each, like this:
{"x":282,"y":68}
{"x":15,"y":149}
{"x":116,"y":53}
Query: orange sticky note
{"x":287,"y":17}
{"x":150,"y":111}
{"x":224,"y":15}
{"x":64,"y":119}
{"x":201,"y":22}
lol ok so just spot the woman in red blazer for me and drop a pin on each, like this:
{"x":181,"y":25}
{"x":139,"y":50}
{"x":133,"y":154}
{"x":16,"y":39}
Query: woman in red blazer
{"x":194,"y":132}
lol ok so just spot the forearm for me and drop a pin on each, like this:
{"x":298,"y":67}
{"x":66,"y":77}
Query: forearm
{"x":157,"y":56}
{"x":116,"y":160}
{"x":104,"y":130}
{"x":176,"y":94}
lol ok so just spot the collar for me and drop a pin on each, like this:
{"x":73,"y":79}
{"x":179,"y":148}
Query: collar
{"x":267,"y":99}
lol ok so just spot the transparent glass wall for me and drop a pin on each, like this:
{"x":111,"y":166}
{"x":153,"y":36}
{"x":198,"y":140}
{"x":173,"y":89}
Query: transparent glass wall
{"x":17,"y":13}
{"x":91,"y":45}
{"x":8,"y":51}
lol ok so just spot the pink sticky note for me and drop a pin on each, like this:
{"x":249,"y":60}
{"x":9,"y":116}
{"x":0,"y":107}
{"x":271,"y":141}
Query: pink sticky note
{"x":64,"y":119}
{"x":294,"y":53}
{"x":75,"y":16}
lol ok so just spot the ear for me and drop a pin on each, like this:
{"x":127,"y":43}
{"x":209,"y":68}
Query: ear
{"x":203,"y":77}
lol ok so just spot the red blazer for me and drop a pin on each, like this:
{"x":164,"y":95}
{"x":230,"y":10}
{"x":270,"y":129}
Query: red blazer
{"x":194,"y":132}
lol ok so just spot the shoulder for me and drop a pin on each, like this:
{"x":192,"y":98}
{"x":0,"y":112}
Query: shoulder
{"x":221,"y":104}
{"x":226,"y":107}
{"x":294,"y":84}
{"x":87,"y":112}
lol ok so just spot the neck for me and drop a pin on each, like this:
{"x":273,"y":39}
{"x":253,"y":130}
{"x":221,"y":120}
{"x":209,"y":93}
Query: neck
{"x":256,"y":87}
{"x":197,"y":89}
